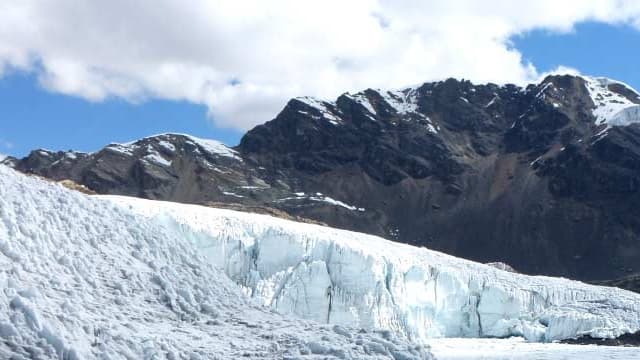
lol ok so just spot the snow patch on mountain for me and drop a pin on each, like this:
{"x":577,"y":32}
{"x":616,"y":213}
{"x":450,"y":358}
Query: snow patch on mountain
{"x":122,"y":149}
{"x":541,"y":93}
{"x":83,"y":278}
{"x":322,"y":198}
{"x":363,"y":100}
{"x":167,"y":146}
{"x":164,"y":141}
{"x":335,"y":202}
{"x":215,"y":147}
{"x":493,"y":100}
{"x":321,"y":107}
{"x":354,"y":279}
{"x":157,"y":159}
{"x":612,"y":108}
{"x":403,"y":101}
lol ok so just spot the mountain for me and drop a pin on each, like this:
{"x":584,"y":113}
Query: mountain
{"x":544,"y":178}
{"x":629,"y":282}
{"x":86,"y":279}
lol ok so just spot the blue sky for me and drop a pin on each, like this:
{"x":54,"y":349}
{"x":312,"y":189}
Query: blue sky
{"x":31,"y":117}
{"x":35,"y":118}
{"x":593,"y":48}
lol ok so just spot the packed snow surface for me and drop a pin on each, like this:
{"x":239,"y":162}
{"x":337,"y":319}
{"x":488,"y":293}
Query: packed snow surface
{"x":83,"y":278}
{"x":352,"y":279}
{"x":363,"y":100}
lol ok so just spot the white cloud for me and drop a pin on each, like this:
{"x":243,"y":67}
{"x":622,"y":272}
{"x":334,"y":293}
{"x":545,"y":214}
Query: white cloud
{"x":562,"y":70}
{"x":245,"y":58}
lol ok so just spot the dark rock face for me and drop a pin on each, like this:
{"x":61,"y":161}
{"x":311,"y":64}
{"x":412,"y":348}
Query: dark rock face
{"x":622,"y":340}
{"x":170,"y":167}
{"x":629,"y":282}
{"x":531,"y":177}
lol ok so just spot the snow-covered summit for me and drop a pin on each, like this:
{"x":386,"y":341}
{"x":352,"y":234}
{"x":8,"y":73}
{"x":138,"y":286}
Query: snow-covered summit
{"x":166,"y":141}
{"x":321,"y":109}
{"x":84,"y":279}
{"x":374,"y":104}
{"x":352,"y":279}
{"x":616,"y":103}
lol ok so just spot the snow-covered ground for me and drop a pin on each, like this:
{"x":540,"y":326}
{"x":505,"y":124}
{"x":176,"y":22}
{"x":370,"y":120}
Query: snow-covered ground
{"x":82,"y":278}
{"x":518,"y":349}
{"x":353,"y":279}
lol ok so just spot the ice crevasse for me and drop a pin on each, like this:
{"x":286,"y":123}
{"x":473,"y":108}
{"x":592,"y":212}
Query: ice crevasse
{"x":348,"y":278}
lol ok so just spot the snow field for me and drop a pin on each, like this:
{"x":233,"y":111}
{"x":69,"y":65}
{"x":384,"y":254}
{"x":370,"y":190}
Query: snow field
{"x":83,"y":278}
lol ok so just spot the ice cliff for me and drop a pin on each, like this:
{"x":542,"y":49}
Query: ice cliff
{"x":353,"y":279}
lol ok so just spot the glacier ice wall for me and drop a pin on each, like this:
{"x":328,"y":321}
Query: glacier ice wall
{"x":354,"y":279}
{"x":85,"y":279}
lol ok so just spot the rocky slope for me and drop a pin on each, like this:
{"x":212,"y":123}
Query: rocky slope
{"x":629,"y":282}
{"x":544,"y":178}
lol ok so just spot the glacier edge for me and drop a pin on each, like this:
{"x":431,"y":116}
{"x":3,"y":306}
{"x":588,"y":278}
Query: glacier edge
{"x":353,"y":279}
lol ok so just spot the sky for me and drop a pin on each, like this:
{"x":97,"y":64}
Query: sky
{"x":81,"y":75}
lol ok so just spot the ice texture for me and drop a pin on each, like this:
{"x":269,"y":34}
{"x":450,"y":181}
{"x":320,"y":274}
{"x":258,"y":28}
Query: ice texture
{"x":83,"y":278}
{"x":352,"y":279}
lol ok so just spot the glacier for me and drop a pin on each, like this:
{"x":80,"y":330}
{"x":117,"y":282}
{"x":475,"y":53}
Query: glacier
{"x":82,"y":278}
{"x":351,"y":279}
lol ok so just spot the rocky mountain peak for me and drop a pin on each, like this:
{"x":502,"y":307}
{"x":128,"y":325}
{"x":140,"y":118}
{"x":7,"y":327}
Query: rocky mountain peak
{"x":544,"y":177}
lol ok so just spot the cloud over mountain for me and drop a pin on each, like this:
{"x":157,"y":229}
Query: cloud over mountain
{"x":244,"y":59}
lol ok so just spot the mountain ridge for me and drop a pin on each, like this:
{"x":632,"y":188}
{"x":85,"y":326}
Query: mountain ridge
{"x":542,"y":177}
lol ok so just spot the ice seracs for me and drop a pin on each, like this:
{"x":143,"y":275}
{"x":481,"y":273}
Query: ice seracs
{"x":82,"y":278}
{"x":353,"y":279}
